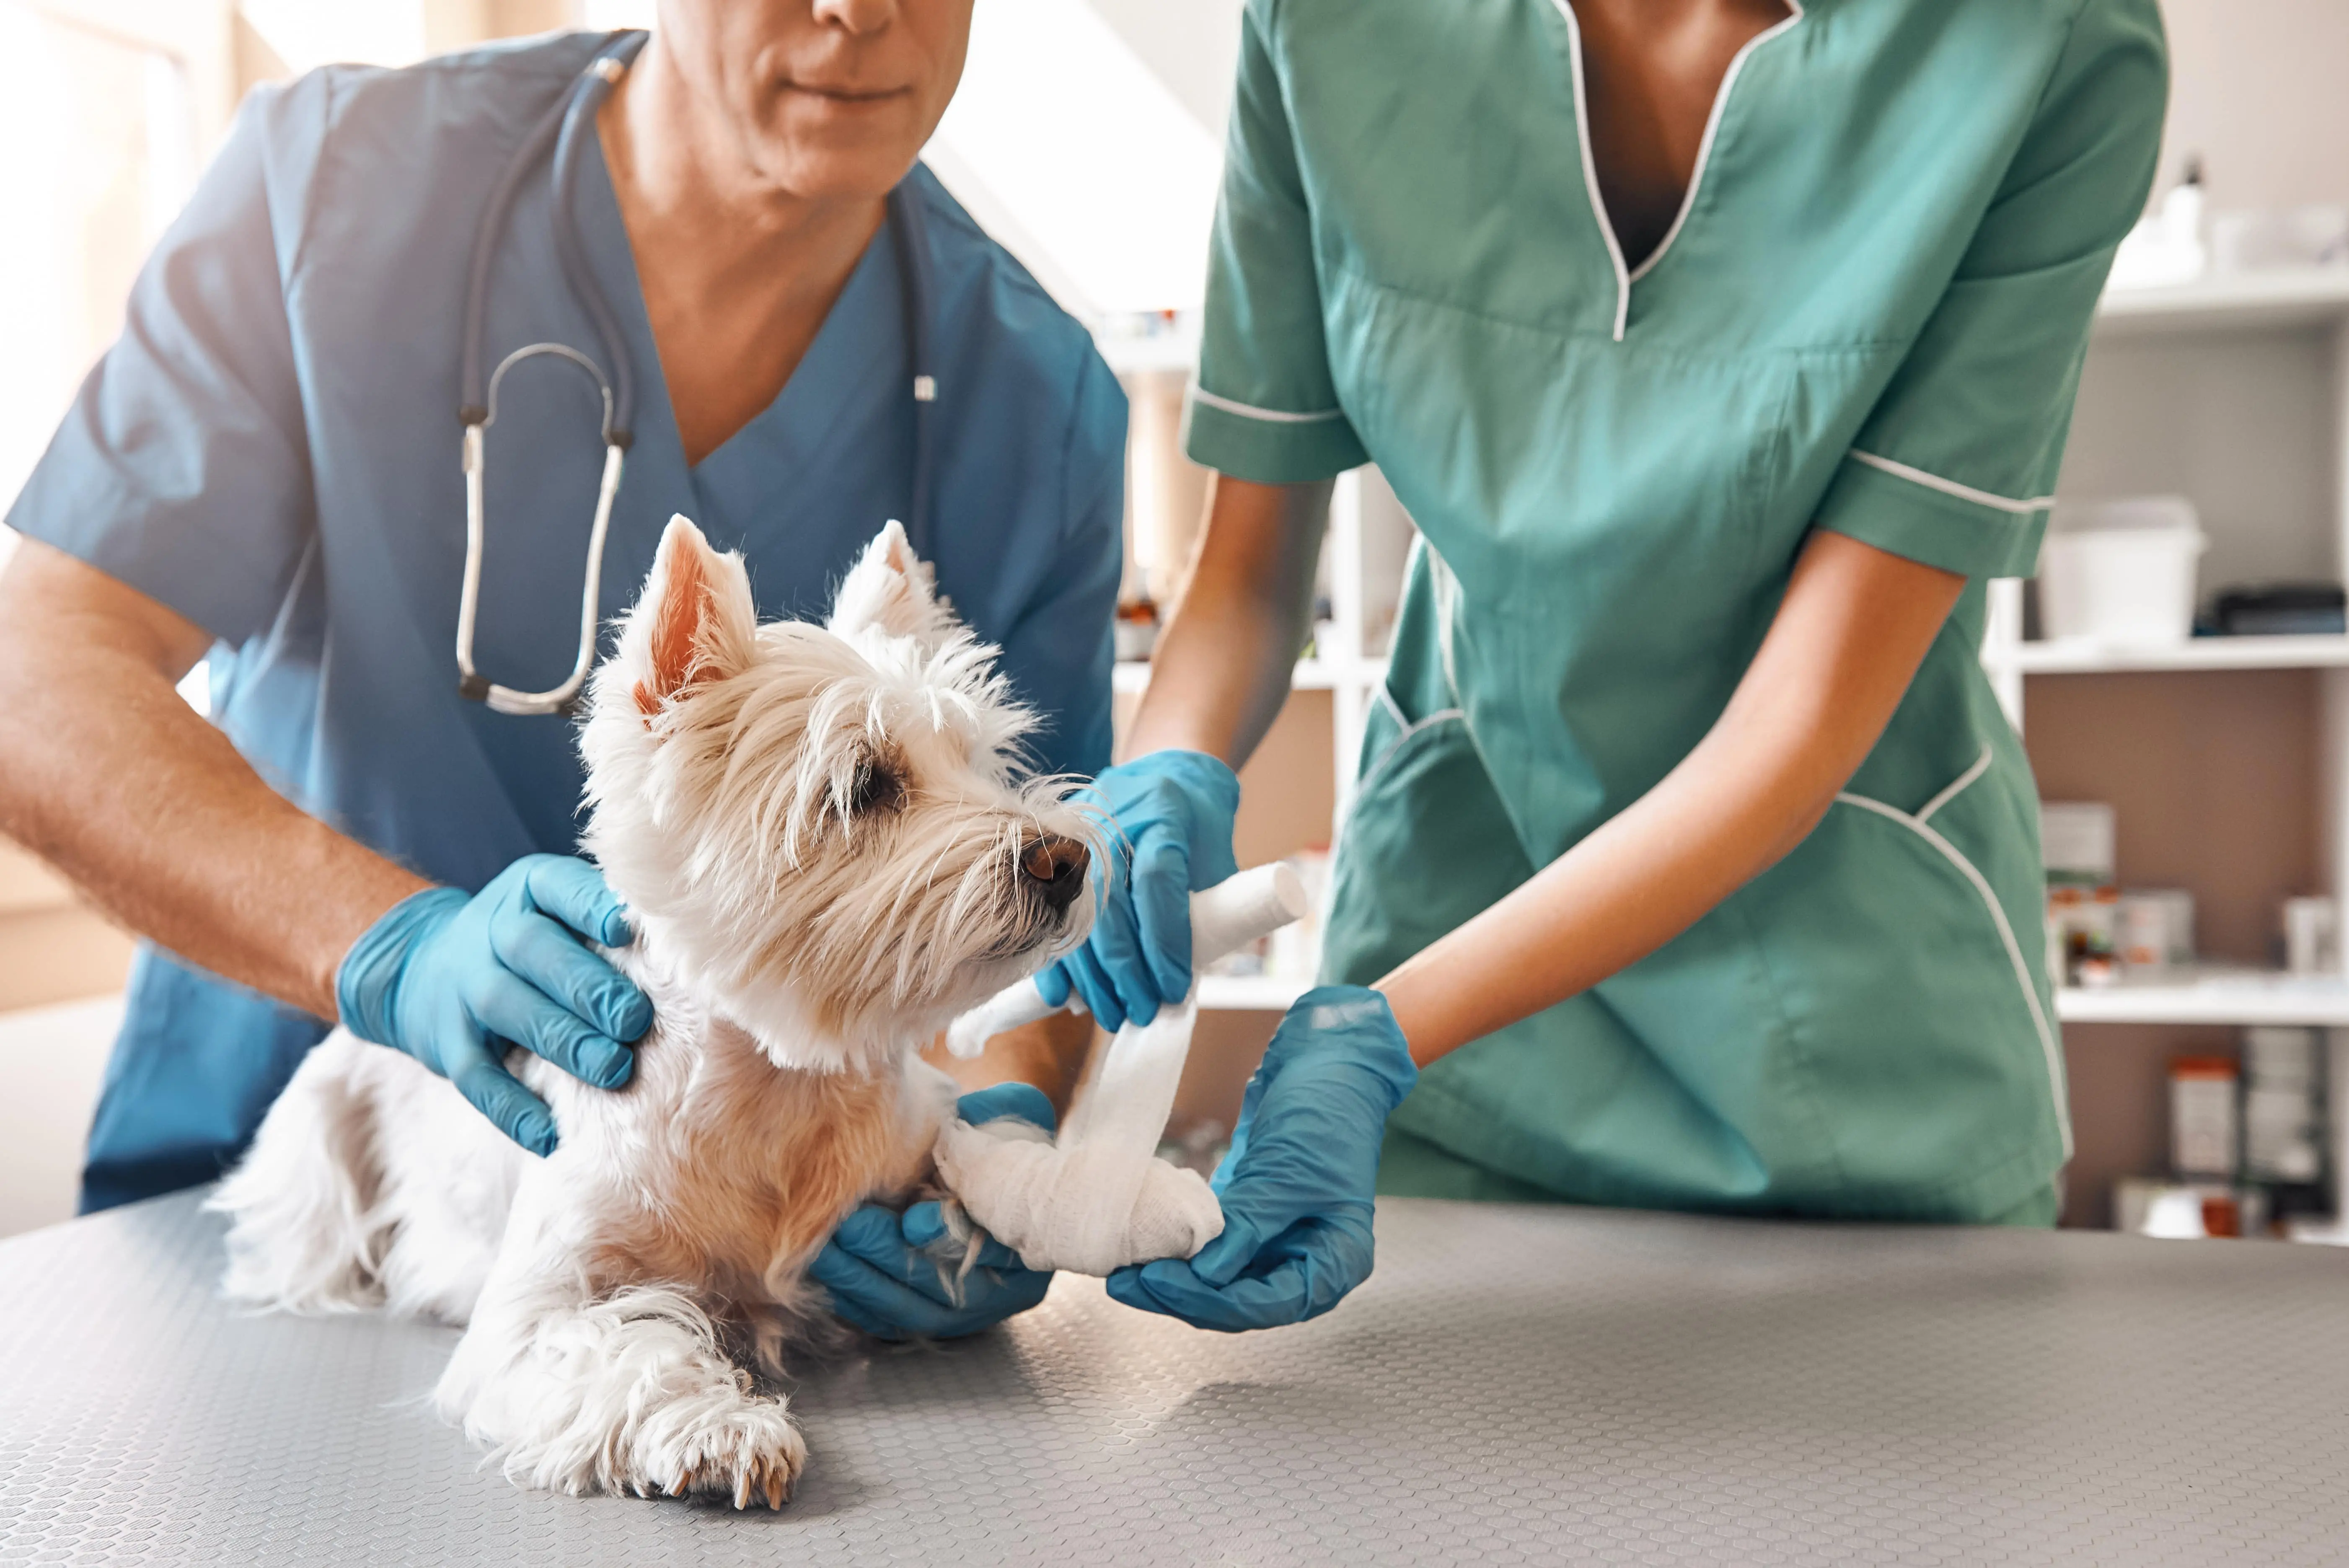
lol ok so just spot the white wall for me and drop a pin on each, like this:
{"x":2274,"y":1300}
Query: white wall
{"x":1192,"y":46}
{"x":2260,"y":90}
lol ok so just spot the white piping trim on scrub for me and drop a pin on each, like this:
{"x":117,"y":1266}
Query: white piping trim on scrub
{"x":1590,"y":170}
{"x":1957,"y":786}
{"x":1952,"y":487}
{"x":1446,"y":590}
{"x":1712,"y":125}
{"x":1273,"y":416}
{"x":1386,"y":752}
{"x":2005,"y":934}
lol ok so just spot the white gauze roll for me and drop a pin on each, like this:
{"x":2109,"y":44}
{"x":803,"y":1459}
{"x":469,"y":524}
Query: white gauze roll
{"x":1099,"y":1198}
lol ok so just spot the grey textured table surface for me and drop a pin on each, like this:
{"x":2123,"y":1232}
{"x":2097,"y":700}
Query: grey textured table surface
{"x":1515,"y":1385}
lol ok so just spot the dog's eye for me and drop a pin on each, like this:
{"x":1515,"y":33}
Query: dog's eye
{"x":876,"y":787}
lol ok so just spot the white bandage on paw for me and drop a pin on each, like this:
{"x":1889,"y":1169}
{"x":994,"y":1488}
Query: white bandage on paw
{"x":1099,"y":1199}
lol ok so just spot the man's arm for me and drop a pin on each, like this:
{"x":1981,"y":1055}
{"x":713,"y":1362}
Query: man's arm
{"x":148,"y":809}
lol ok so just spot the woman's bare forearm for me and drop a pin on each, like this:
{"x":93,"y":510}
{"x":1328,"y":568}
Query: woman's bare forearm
{"x":148,"y":809}
{"x":1221,"y":670}
{"x":1855,"y":624}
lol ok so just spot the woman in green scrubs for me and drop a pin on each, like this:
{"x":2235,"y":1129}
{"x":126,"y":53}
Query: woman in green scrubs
{"x":1721,"y":350}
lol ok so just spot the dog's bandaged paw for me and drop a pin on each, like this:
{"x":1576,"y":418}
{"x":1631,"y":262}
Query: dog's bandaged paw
{"x":1099,"y":1198}
{"x":1087,"y":1210}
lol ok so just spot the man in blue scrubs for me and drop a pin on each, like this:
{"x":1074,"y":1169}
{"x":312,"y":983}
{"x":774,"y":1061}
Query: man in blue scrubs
{"x":264,"y":471}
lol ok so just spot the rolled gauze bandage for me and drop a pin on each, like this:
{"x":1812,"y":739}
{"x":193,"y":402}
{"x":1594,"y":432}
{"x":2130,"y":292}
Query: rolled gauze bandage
{"x":1098,"y":1198}
{"x":1224,"y":919}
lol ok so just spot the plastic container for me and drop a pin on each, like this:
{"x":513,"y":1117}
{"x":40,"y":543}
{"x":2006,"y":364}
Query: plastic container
{"x":2203,"y":1133}
{"x":2121,"y":571}
{"x":2154,"y":931}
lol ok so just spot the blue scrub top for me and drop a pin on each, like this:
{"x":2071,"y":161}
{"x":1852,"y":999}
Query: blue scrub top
{"x":271,"y":450}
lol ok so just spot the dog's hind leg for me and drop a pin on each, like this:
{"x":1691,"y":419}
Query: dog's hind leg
{"x":306,"y":1233}
{"x":581,"y":1388}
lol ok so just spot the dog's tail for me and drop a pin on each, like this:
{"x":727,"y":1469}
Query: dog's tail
{"x":306,"y":1233}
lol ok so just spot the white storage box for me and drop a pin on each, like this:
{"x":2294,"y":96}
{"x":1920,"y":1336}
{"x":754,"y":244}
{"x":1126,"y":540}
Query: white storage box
{"x":2121,"y":571}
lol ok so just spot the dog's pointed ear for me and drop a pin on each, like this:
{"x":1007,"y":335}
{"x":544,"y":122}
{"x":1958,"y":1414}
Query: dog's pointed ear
{"x":694,"y":622}
{"x":893,"y":590}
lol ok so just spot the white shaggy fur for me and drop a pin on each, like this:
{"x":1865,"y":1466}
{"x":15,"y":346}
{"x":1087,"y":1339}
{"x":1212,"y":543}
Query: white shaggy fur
{"x":826,"y":851}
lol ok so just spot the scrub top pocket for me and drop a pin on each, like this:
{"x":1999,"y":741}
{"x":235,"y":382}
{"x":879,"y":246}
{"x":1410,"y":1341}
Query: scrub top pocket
{"x":1425,"y":846}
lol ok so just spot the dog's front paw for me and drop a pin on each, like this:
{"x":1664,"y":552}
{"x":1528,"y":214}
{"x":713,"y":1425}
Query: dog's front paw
{"x":750,"y":1451}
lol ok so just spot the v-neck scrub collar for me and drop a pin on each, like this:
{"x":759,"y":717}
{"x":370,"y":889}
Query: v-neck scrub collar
{"x":1624,"y":278}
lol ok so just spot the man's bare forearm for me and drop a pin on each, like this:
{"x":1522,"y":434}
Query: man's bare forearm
{"x":148,"y":809}
{"x":1221,"y":672}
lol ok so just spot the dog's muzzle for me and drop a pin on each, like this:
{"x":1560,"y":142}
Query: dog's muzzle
{"x":1053,"y":871}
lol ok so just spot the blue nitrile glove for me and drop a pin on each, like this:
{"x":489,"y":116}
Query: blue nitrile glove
{"x":1296,"y":1188}
{"x":453,"y":979}
{"x":1171,"y":825}
{"x":883,"y":1276}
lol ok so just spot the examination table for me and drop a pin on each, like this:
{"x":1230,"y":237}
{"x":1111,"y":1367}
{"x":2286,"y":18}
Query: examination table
{"x":1515,"y":1385}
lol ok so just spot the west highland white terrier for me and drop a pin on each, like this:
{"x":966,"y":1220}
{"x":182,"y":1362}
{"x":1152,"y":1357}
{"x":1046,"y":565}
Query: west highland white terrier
{"x":824,"y":840}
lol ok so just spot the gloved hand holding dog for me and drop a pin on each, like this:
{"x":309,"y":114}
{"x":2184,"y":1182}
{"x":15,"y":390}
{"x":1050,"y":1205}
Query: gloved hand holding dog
{"x":453,"y":979}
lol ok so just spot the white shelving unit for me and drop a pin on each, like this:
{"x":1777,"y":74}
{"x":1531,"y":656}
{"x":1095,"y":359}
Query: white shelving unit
{"x":2234,"y":392}
{"x":2235,"y":302}
{"x":2086,"y":657}
{"x":2210,"y":995}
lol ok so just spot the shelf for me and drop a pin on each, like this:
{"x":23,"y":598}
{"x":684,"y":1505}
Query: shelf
{"x":1131,"y":675}
{"x":2083,"y":656}
{"x":2211,"y":996}
{"x":2298,"y":298}
{"x":1249,"y":992}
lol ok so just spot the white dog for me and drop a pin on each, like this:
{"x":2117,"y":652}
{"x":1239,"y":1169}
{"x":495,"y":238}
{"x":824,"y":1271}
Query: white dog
{"x":820,"y":835}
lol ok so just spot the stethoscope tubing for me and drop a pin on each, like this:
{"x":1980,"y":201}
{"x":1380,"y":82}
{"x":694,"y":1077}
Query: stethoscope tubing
{"x":563,"y":127}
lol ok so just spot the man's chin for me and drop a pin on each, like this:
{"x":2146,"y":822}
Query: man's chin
{"x":845,"y":144}
{"x":836,"y":167}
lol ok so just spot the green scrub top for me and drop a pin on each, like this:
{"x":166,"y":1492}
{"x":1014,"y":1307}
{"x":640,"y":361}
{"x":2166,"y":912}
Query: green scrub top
{"x":1869,"y":317}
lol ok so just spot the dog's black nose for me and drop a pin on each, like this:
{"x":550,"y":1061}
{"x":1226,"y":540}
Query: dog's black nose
{"x":1053,"y":869}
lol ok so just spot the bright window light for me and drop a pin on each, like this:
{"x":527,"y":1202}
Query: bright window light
{"x":1070,"y":152}
{"x":117,"y":139}
{"x":310,"y":33}
{"x":611,"y":15}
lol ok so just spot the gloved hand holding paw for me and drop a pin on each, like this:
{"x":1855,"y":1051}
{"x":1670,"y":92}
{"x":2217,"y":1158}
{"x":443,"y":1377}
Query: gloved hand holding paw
{"x":884,"y":1271}
{"x":1297,"y":1185}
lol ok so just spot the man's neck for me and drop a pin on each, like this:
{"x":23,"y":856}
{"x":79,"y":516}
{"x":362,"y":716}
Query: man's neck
{"x":737,"y":271}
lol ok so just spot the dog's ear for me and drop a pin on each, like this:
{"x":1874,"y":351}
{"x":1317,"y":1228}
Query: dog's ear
{"x":892,"y":589}
{"x":695,"y":620}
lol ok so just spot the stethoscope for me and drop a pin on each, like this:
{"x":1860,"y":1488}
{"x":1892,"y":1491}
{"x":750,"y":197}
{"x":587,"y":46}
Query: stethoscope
{"x":565,"y":126}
